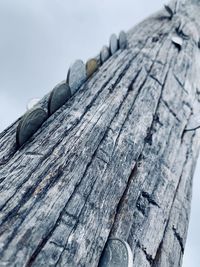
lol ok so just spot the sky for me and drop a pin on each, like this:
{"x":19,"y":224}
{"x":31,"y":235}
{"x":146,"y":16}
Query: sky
{"x":39,"y":41}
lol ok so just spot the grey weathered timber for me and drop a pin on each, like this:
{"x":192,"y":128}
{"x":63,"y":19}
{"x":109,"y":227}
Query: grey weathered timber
{"x":114,"y":160}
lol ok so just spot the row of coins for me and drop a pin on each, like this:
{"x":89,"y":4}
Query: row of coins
{"x":78,"y":73}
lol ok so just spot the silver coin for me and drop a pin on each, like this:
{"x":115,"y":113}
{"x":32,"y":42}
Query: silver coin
{"x":113,"y":44}
{"x":58,"y":97}
{"x":32,"y":103}
{"x":123,"y":40}
{"x":117,"y":253}
{"x":91,"y":66}
{"x":76,"y":75}
{"x":29,"y":124}
{"x":104,"y":54}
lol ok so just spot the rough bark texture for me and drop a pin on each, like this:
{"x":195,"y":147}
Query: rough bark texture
{"x":114,"y":161}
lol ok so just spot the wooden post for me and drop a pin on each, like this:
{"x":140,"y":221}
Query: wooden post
{"x":114,"y":161}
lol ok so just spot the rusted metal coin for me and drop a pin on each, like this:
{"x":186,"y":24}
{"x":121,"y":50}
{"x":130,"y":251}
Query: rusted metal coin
{"x":91,"y":66}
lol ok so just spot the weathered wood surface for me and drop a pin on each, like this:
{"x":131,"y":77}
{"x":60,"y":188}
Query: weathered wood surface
{"x":114,"y":161}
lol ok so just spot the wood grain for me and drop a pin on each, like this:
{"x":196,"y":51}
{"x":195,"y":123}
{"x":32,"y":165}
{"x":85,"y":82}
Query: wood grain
{"x":115,"y":160}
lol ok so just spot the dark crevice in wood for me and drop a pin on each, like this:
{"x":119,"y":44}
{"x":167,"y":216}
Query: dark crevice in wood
{"x":12,"y":214}
{"x":135,"y":168}
{"x":177,"y":79}
{"x":186,"y":68}
{"x":189,"y":106}
{"x":37,"y":251}
{"x":14,"y":149}
{"x":180,"y":32}
{"x":122,"y":199}
{"x":33,"y":187}
{"x":170,"y":110}
{"x":150,"y":199}
{"x":154,"y":78}
{"x":149,"y":136}
{"x":12,"y":153}
{"x":179,"y":238}
{"x":40,"y":246}
{"x":155,"y":262}
{"x":45,"y":240}
{"x":184,"y":130}
{"x":143,"y":203}
{"x":156,"y":119}
{"x":56,"y":244}
{"x":71,"y":216}
{"x":55,"y":171}
{"x":162,"y":17}
{"x":54,"y":147}
{"x":192,"y":129}
{"x":170,"y":11}
{"x":148,"y":256}
{"x":130,"y":88}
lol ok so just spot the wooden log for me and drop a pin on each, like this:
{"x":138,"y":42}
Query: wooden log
{"x":114,"y":161}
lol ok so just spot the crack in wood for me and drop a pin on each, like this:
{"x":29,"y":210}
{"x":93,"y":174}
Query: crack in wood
{"x":179,"y":238}
{"x":109,"y":151}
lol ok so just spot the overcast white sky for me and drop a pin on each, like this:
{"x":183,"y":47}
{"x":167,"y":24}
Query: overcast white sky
{"x":41,"y":38}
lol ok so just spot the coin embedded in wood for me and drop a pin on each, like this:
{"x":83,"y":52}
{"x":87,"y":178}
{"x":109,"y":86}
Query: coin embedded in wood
{"x":91,"y":66}
{"x":29,"y":124}
{"x":178,"y":41}
{"x":32,"y":103}
{"x":76,"y":75}
{"x":113,"y":44}
{"x":123,"y":40}
{"x":104,"y":54}
{"x":58,"y":97}
{"x":117,"y":253}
